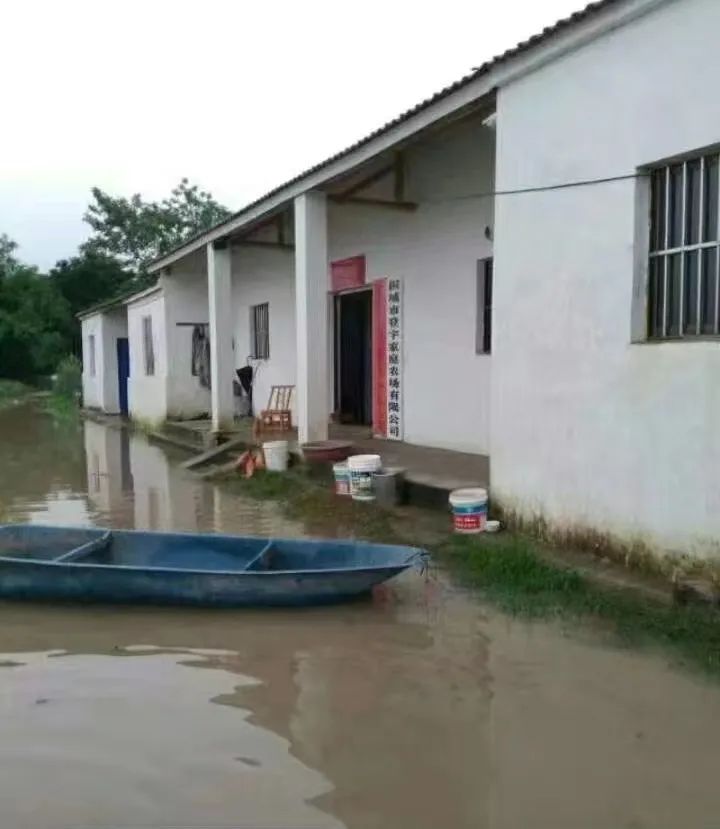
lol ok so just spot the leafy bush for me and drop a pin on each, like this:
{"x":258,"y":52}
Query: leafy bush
{"x":68,"y":378}
{"x":12,"y":391}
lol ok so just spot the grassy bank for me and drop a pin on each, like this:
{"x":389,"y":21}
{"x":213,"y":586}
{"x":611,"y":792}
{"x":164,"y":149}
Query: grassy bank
{"x":508,"y":570}
{"x":511,"y":573}
{"x":60,"y":400}
{"x":63,"y":402}
{"x":61,"y":406}
{"x":312,"y":501}
{"x":12,"y":392}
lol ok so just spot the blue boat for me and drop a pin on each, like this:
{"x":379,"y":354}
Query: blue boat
{"x":99,"y":565}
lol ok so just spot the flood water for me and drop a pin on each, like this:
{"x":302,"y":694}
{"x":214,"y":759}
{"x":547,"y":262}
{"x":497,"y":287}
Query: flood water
{"x":422,"y":708}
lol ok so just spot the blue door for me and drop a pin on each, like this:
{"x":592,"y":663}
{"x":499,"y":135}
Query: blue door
{"x":123,"y":361}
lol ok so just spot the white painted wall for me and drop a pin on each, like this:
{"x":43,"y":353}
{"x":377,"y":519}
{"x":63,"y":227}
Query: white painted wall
{"x":101,"y":391}
{"x":588,"y":428}
{"x":147,"y":395}
{"x":265,"y":275}
{"x":186,"y":300}
{"x":434,"y":251}
{"x":92,"y":384}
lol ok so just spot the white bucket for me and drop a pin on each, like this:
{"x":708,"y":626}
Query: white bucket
{"x":276,"y":455}
{"x":469,"y":510}
{"x":362,"y":468}
{"x":341,"y":471}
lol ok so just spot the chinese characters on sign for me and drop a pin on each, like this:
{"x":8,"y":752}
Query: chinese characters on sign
{"x":394,"y":358}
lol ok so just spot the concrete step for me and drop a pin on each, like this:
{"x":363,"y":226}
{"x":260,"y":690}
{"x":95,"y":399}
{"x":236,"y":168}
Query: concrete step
{"x":239,"y":444}
{"x":161,"y":436}
{"x":185,"y":434}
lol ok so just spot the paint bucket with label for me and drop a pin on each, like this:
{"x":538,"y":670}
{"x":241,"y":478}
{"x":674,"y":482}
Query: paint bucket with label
{"x":276,"y":455}
{"x":341,"y":471}
{"x":469,"y":508}
{"x":362,"y":469}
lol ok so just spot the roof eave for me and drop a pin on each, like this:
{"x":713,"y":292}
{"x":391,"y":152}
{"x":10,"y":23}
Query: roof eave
{"x":151,"y":291}
{"x":564,"y":36}
{"x":117,"y":302}
{"x":323,"y":174}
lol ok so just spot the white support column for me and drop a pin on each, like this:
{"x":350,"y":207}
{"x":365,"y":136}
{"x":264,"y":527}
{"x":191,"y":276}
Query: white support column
{"x":222,"y":363}
{"x":311,"y":316}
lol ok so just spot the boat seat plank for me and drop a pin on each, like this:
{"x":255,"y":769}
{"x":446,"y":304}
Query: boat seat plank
{"x":262,"y":561}
{"x":94,"y":546}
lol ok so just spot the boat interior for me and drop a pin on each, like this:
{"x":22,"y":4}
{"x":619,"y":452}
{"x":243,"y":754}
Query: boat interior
{"x":124,"y":548}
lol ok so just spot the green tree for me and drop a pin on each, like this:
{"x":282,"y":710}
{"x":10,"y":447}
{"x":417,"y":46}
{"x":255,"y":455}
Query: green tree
{"x":8,"y":262}
{"x":35,"y":322}
{"x":90,"y":278}
{"x":135,"y":231}
{"x":37,"y":313}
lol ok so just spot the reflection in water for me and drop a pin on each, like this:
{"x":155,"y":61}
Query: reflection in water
{"x":106,"y":475}
{"x":79,"y":728}
{"x":423,"y":713}
{"x":426,"y":710}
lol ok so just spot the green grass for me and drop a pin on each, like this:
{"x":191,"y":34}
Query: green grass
{"x":275,"y":486}
{"x":507,"y":570}
{"x":61,"y":407}
{"x":510,"y":573}
{"x":12,"y":391}
{"x":310,"y":499}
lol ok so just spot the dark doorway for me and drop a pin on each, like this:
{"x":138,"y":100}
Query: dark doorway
{"x":123,"y":362}
{"x":353,"y":357}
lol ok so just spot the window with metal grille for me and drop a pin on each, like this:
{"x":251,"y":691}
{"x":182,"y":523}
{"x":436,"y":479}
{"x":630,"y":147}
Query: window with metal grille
{"x":483,"y":314}
{"x":148,"y":346}
{"x":684,"y":263}
{"x":91,"y":354}
{"x":260,"y":331}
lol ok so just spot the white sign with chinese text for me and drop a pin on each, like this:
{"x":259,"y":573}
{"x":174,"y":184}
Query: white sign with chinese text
{"x":394,"y":360}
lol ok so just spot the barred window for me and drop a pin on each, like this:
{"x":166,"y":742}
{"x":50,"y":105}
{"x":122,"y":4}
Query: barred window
{"x":260,"y":331}
{"x":91,"y":349}
{"x":684,"y":262}
{"x":483,"y":311}
{"x":148,"y":346}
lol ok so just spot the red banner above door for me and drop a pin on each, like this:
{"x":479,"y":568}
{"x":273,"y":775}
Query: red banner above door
{"x":347,"y":273}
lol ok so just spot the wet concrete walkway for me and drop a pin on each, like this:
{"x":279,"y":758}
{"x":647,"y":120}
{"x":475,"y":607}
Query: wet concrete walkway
{"x":433,"y":468}
{"x":427,"y":469}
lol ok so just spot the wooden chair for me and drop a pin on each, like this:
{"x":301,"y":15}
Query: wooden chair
{"x":277,"y":416}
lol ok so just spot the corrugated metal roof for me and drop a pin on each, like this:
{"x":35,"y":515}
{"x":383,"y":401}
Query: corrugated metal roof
{"x":116,"y":301}
{"x":525,"y":45}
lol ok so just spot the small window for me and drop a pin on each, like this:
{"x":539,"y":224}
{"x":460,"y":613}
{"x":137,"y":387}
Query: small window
{"x":684,"y":266}
{"x":483,"y":317}
{"x":91,"y":354}
{"x":260,"y":331}
{"x":148,"y":347}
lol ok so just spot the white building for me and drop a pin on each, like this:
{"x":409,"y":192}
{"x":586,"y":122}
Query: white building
{"x":138,"y":353}
{"x":105,"y":363}
{"x":584,"y":165}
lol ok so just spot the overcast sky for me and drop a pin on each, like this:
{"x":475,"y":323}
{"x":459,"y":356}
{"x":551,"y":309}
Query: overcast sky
{"x":237,"y":96}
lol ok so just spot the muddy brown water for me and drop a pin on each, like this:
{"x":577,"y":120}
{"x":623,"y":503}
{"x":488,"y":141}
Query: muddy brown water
{"x":422,"y":708}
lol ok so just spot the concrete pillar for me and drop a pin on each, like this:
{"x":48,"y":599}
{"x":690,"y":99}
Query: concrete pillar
{"x":222,"y":362}
{"x":311,"y":316}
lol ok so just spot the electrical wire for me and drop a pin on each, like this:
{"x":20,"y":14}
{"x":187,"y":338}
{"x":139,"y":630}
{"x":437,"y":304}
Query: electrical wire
{"x":539,"y":189}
